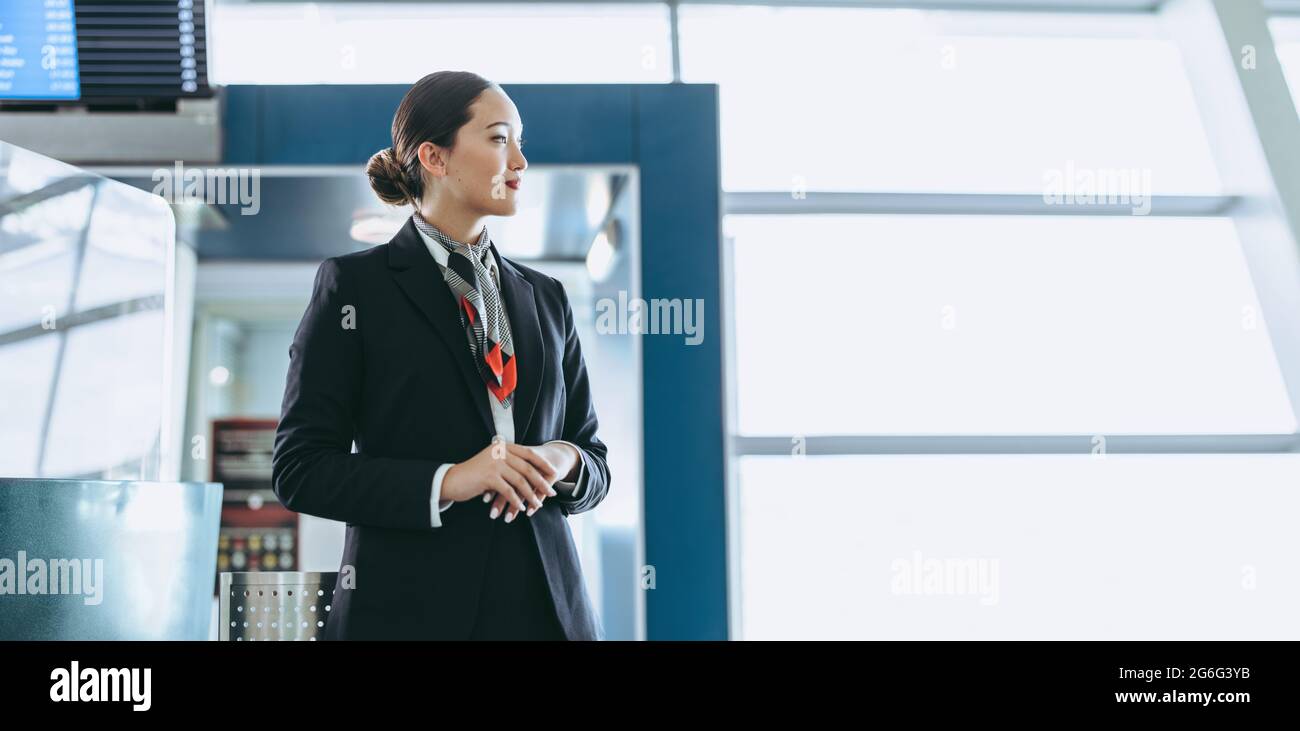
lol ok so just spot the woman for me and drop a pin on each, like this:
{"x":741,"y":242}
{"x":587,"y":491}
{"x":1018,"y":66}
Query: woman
{"x":459,"y":376}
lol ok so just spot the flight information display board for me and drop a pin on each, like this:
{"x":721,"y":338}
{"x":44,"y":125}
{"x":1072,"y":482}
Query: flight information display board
{"x":104,"y":54}
{"x":38,"y":50}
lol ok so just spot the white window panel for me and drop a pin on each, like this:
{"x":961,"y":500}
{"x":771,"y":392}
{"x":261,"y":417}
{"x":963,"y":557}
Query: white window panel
{"x":126,"y":247}
{"x":38,"y":247}
{"x":1024,"y":547}
{"x":838,"y":99}
{"x":901,"y":324}
{"x":107,"y":410}
{"x":26,"y":369}
{"x":1286,"y":39}
{"x":390,"y":43}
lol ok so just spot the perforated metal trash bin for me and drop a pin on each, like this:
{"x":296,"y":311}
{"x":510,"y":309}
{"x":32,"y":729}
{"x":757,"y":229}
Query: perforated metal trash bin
{"x":275,"y":605}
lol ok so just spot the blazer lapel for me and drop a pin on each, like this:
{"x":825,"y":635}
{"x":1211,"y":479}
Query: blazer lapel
{"x":526,"y":331}
{"x":421,"y":280}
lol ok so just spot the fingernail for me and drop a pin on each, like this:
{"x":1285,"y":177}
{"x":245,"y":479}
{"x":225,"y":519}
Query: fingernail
{"x":495,"y":512}
{"x":487,"y":497}
{"x":531,"y":511}
{"x":510,"y":517}
{"x":551,"y":491}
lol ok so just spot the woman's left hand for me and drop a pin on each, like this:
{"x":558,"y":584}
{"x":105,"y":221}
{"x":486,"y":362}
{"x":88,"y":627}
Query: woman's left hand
{"x":562,"y":459}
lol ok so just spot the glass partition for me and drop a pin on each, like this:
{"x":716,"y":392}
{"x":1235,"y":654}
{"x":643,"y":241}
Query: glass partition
{"x":85,"y":317}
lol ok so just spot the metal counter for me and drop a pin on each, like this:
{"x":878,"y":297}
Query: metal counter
{"x":102,"y":560}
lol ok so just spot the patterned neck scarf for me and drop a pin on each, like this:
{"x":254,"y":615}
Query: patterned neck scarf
{"x":482,"y":313}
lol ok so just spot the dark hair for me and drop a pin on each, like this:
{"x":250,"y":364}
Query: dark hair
{"x":432,"y":111}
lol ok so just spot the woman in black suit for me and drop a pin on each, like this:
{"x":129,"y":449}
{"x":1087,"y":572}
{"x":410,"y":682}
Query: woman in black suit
{"x":458,"y":375}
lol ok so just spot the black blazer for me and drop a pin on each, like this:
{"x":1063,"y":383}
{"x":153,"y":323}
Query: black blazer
{"x":401,"y":382}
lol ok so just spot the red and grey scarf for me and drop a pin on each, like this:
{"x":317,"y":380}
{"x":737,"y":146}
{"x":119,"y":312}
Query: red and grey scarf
{"x":482,"y":313}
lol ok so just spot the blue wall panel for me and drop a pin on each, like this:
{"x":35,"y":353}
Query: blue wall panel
{"x":685,"y":505}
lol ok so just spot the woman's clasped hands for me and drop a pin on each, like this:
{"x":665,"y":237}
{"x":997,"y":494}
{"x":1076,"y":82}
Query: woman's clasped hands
{"x":520,"y":477}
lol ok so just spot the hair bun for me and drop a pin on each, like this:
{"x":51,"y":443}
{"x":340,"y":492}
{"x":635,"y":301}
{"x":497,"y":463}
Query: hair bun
{"x":388,"y":177}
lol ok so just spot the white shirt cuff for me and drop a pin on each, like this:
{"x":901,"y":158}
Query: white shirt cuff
{"x":436,"y":504}
{"x":572,"y":489}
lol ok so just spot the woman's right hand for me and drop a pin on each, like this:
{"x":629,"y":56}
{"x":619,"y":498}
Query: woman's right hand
{"x":516,"y":473}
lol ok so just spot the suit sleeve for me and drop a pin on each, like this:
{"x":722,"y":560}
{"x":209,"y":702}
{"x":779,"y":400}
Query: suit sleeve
{"x":580,"y":424}
{"x":313,"y":468}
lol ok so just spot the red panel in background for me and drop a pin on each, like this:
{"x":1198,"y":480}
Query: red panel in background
{"x":257,"y":532}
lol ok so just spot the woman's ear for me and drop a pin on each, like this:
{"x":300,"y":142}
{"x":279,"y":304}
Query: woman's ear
{"x":432,"y":158}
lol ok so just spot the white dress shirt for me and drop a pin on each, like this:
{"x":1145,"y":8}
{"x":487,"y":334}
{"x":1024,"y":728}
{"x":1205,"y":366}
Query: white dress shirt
{"x":502,"y":416}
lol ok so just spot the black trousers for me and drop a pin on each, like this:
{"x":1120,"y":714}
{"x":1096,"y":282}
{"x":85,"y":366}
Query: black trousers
{"x":516,"y":602}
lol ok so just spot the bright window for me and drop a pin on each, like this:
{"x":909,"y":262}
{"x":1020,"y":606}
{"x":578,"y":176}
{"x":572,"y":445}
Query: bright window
{"x":999,"y":325}
{"x":398,"y":43}
{"x":1120,"y":547}
{"x":835,"y":99}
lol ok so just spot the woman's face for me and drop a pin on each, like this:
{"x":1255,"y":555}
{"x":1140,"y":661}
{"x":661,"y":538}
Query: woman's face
{"x":480,"y":174}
